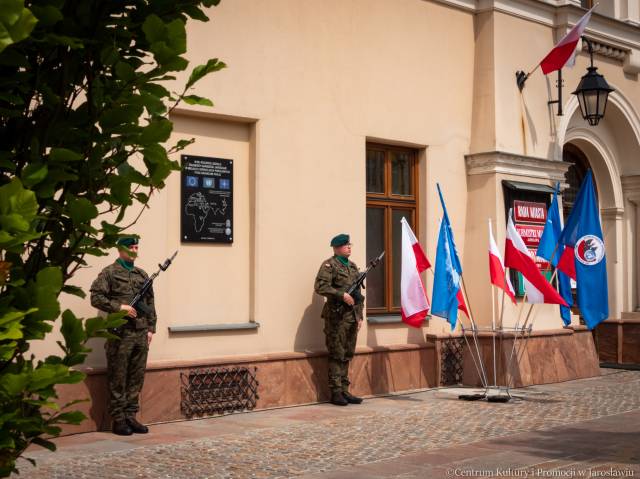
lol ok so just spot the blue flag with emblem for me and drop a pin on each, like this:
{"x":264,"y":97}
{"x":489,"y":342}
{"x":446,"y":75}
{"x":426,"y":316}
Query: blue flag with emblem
{"x":446,"y":284}
{"x":585,"y":253}
{"x":549,"y":249}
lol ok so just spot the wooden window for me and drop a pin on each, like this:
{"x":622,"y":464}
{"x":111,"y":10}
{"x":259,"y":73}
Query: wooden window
{"x":392,"y":192}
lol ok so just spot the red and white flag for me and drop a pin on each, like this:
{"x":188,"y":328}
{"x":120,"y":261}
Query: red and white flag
{"x":496,"y":269}
{"x":563,"y":51}
{"x":516,"y":256}
{"x":567,"y":263}
{"x":413,"y":298}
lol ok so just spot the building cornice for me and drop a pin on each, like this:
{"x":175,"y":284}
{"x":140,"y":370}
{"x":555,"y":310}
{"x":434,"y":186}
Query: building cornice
{"x":612,"y":213}
{"x":495,"y":162}
{"x":200,"y":112}
{"x":631,"y":188}
{"x":631,"y":183}
{"x":614,"y":38}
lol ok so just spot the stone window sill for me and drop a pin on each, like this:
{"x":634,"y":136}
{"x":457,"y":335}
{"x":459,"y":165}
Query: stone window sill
{"x":201,"y":328}
{"x":388,"y":319}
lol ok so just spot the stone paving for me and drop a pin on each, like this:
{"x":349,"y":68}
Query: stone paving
{"x":395,"y":436}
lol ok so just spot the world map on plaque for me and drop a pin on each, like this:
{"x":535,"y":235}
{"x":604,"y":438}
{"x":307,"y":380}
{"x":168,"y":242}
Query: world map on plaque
{"x":199,"y":208}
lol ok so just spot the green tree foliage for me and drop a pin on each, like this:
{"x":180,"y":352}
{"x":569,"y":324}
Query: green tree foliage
{"x":83,"y":128}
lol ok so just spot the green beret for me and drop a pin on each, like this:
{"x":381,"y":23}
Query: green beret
{"x":127,"y":241}
{"x":340,"y":240}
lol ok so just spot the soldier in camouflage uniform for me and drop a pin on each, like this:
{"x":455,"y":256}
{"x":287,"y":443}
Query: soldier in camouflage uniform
{"x":112,"y":291}
{"x":334,"y":277}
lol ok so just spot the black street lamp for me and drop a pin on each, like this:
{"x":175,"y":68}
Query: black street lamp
{"x":592,"y":92}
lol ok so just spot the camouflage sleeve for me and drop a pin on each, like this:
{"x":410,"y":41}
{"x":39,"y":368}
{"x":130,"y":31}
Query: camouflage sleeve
{"x":100,"y":291}
{"x":324,"y":283}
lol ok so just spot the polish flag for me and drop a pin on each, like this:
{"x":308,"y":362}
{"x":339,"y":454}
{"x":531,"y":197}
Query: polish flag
{"x":413,"y":298}
{"x":462,"y":306}
{"x":567,"y":264}
{"x":563,"y":51}
{"x":516,"y":256}
{"x":496,"y":269}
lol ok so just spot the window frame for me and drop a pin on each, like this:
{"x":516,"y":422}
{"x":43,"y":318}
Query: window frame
{"x":388,"y":202}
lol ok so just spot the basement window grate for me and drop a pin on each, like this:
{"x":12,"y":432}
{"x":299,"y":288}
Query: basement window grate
{"x":451,"y":361}
{"x":217,"y":391}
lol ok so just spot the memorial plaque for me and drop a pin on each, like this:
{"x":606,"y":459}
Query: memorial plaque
{"x":206,"y":200}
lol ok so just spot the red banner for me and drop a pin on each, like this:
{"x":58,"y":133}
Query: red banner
{"x":530,"y":212}
{"x":531,"y":234}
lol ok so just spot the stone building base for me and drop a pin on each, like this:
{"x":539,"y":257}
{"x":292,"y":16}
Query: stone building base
{"x":619,"y":339}
{"x":301,"y":378}
{"x":284,"y":379}
{"x":547,"y":356}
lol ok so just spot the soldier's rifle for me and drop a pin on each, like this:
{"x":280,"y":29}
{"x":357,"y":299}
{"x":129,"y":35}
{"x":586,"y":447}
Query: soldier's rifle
{"x":137,"y":302}
{"x":354,"y":289}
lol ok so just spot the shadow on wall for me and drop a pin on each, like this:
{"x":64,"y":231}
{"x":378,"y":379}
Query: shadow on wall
{"x":96,"y":386}
{"x":97,"y":357}
{"x":381,"y":374}
{"x":310,"y":339}
{"x":99,"y":400}
{"x":310,"y":334}
{"x":378,"y":369}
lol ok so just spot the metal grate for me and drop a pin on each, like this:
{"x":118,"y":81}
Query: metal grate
{"x":451,"y":361}
{"x":216,"y":391}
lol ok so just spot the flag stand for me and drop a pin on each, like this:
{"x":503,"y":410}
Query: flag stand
{"x":493,"y":393}
{"x":496,"y":393}
{"x":477,"y":364}
{"x":474,"y":331}
{"x":498,"y":396}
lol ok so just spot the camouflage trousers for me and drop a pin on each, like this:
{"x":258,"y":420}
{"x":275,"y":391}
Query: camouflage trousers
{"x":341,"y":333}
{"x":126,"y":364}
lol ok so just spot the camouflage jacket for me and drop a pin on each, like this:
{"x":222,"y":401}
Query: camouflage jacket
{"x":115,"y":286}
{"x":332,"y":281}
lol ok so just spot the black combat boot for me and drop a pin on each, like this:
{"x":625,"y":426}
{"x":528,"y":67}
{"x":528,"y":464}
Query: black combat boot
{"x":338,"y":399}
{"x":121,"y":428}
{"x":136,"y":426}
{"x":351,"y":399}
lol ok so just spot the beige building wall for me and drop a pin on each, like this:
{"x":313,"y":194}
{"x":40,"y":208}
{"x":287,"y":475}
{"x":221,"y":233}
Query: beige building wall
{"x":308,"y":84}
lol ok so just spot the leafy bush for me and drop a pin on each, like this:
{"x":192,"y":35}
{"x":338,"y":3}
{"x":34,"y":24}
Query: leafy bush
{"x":83,"y":121}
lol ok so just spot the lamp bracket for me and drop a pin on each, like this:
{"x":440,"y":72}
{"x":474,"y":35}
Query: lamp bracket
{"x":521,"y":77}
{"x":559,"y":83}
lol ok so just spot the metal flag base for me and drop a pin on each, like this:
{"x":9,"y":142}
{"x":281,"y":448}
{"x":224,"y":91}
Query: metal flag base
{"x":498,"y":398}
{"x":491,"y":394}
{"x":494,"y":393}
{"x":498,"y":394}
{"x":472,"y":397}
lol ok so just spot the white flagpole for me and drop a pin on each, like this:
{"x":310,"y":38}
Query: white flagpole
{"x":493,"y":321}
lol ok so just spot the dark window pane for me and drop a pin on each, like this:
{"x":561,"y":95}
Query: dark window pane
{"x":375,"y":171}
{"x":396,"y":247}
{"x":574,"y":176}
{"x":375,"y":244}
{"x":401,"y":165}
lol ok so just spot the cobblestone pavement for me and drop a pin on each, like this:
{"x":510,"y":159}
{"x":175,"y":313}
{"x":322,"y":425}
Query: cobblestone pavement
{"x":322,"y":440}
